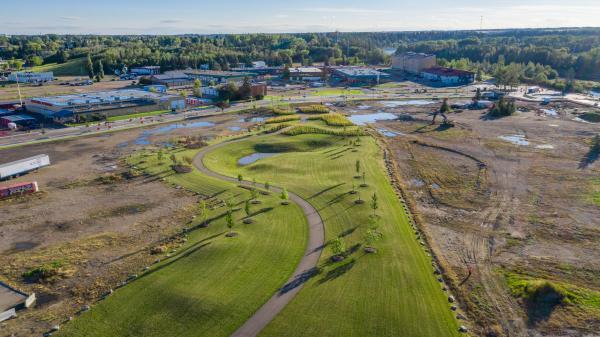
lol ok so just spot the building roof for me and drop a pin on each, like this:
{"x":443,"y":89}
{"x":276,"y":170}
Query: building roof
{"x":440,"y":71}
{"x":411,"y":54}
{"x":101,"y":97}
{"x":218,"y":73}
{"x":18,"y":118}
{"x":171,"y":76}
{"x":305,"y":70}
{"x":361,"y":72}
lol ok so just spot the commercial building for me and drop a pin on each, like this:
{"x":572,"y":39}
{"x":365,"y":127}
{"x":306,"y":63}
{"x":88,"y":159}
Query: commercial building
{"x":145,"y":71}
{"x":306,"y":74}
{"x":31,"y":77}
{"x":360,"y":75}
{"x":413,"y":63}
{"x":107,"y":103}
{"x":218,"y":77}
{"x":448,"y":76}
{"x":18,"y":122}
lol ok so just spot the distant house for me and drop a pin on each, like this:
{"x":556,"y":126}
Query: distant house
{"x":31,"y":77}
{"x":448,"y":76}
{"x":412,"y":62}
{"x":146,"y":71}
{"x":306,"y":74}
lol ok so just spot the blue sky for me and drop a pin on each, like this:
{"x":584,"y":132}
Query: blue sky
{"x":236,"y":16}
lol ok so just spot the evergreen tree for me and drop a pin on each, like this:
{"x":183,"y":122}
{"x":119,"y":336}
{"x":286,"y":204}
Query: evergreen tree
{"x":90,"y":66}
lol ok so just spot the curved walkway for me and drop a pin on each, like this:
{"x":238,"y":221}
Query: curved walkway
{"x":306,"y":268}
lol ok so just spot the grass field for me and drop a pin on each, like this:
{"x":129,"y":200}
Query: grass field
{"x":390,"y":293}
{"x":73,"y":67}
{"x":213,"y":284}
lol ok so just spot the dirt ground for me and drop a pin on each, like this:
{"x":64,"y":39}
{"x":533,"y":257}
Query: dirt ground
{"x":91,"y":218}
{"x":493,"y":207}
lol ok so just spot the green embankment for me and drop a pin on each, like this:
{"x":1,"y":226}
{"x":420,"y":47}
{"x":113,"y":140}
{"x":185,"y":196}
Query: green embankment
{"x":73,"y":67}
{"x":213,"y":284}
{"x":390,"y":293}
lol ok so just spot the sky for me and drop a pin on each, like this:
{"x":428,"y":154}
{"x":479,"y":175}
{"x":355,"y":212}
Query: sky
{"x":267,"y":16}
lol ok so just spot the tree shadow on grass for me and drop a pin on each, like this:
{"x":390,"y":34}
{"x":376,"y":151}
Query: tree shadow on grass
{"x":325,"y":190}
{"x":261,"y":211}
{"x":300,"y":280}
{"x":590,"y":157}
{"x":338,"y":271}
{"x":348,"y":231}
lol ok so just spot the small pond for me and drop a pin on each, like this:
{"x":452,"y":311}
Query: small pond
{"x":252,"y":120}
{"x":372,"y":118}
{"x":247,"y":160}
{"x":389,"y":133}
{"x":143,"y":138}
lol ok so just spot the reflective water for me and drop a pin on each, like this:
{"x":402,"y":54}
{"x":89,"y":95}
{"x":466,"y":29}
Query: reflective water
{"x":515,"y":139}
{"x":372,"y":118}
{"x":143,"y":138}
{"x":247,"y":160}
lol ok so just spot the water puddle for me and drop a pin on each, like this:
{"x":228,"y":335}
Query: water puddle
{"x":389,"y":133}
{"x":372,"y":118}
{"x":395,"y":104}
{"x":252,"y":120}
{"x":143,"y":138}
{"x":247,"y":160}
{"x":364,"y":107}
{"x":435,"y":186}
{"x":545,"y":146}
{"x":234,"y":128}
{"x":516,"y":139}
{"x":417,"y":182}
{"x":550,"y":112}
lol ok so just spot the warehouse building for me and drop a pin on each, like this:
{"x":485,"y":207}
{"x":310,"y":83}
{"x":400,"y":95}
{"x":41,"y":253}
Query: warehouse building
{"x":31,"y":77}
{"x":107,"y":103}
{"x":174,"y":79}
{"x":448,"y":76}
{"x":306,"y":74}
{"x":360,"y":75}
{"x":218,"y":77}
{"x":412,"y":62}
{"x":23,"y":122}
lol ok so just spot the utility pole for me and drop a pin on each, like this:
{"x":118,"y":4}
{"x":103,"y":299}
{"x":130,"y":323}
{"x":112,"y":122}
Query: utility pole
{"x":19,"y":89}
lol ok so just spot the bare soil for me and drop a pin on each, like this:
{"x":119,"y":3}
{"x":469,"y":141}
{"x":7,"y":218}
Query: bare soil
{"x":490,"y":206}
{"x":92,"y":217}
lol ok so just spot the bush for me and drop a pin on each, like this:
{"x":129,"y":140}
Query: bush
{"x":333,"y":119}
{"x":43,"y":272}
{"x":276,"y":128}
{"x":282,"y":119}
{"x":307,"y":129}
{"x":502,"y":109}
{"x":313,"y":109}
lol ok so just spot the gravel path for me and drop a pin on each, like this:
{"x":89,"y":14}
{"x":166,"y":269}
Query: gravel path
{"x":306,"y":268}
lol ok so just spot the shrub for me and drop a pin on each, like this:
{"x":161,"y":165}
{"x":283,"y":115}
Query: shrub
{"x":276,"y":128}
{"x":43,"y":272}
{"x":282,"y":111}
{"x":313,"y":109}
{"x":282,"y":119}
{"x":333,"y":119}
{"x":307,"y":129}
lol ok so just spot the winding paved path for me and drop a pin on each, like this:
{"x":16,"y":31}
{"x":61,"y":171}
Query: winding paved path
{"x":306,"y":268}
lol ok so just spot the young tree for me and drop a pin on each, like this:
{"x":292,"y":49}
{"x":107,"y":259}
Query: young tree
{"x":445,"y":108}
{"x":198,"y":88}
{"x":160,"y":156}
{"x":253,"y":194}
{"x":247,"y":207}
{"x":267,"y":185}
{"x":100,"y":68}
{"x":253,"y":181}
{"x":284,"y":195}
{"x":202,"y":210}
{"x":364,"y":179}
{"x":240,"y":177}
{"x":173,"y":159}
{"x":357,"y":165}
{"x":229,"y":219}
{"x":90,"y":66}
{"x":338,"y":246}
{"x":374,"y":204}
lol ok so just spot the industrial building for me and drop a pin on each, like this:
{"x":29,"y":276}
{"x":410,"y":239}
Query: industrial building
{"x":360,"y":75}
{"x":218,"y":77}
{"x":31,"y":77}
{"x":75,"y":107}
{"x":145,"y":71}
{"x":448,"y":76}
{"x":306,"y":74}
{"x":20,"y":121}
{"x":413,"y":63}
{"x":173,"y":79}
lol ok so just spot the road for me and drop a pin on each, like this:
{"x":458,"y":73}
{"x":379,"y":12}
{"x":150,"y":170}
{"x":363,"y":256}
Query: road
{"x":305,"y":269}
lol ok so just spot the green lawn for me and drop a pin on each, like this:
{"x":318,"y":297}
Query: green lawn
{"x":73,"y":67}
{"x":390,"y":293}
{"x":213,"y":284}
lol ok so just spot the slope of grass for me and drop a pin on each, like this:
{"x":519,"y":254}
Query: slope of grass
{"x":213,"y":284}
{"x":390,"y":293}
{"x":74,"y":67}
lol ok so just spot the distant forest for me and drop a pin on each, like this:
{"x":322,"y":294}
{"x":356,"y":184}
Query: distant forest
{"x":537,"y":55}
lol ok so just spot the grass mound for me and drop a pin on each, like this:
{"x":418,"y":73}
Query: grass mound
{"x":308,"y":129}
{"x":333,"y":119}
{"x":282,"y":119}
{"x":313,"y":109}
{"x":283,"y":146}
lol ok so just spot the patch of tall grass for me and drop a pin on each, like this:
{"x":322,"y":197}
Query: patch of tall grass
{"x":309,"y":129}
{"x":282,"y":119}
{"x":333,"y":119}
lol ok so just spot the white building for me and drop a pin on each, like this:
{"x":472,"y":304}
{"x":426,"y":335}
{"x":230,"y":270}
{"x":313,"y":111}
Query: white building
{"x":31,"y":77}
